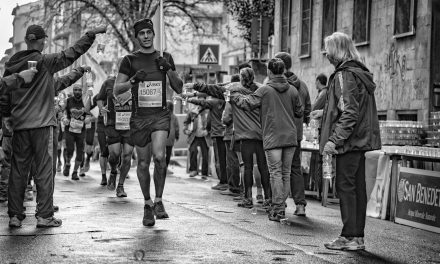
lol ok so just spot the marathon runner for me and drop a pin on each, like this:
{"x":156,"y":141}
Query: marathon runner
{"x":117,"y":131}
{"x":144,"y":73}
{"x":75,"y":130}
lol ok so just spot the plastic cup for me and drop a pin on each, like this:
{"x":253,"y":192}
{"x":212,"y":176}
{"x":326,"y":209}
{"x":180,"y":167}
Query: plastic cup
{"x":32,"y":65}
{"x":227,"y":95}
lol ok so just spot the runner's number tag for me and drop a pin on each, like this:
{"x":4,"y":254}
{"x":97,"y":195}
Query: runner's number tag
{"x":76,"y":126}
{"x":122,"y":120}
{"x":150,"y":94}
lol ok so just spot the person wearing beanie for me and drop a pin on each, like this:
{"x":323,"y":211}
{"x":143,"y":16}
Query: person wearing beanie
{"x":144,"y":73}
{"x":31,"y":109}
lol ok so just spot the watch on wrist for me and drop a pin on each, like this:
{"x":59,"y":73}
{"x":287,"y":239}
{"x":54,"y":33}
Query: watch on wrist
{"x":132,"y":81}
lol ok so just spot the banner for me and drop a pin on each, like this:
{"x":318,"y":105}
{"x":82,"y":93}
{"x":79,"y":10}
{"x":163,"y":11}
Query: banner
{"x":418,"y":199}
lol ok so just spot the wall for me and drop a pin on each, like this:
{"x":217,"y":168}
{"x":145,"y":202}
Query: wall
{"x":400,"y":66}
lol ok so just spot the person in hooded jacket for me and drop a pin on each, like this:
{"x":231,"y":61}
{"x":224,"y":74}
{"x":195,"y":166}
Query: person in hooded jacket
{"x":279,"y":105}
{"x":349,"y":128}
{"x":296,"y":176}
{"x":31,"y":109}
{"x":248,"y":139}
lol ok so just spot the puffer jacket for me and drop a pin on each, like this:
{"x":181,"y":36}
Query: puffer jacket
{"x":304,"y":95}
{"x":350,"y":116}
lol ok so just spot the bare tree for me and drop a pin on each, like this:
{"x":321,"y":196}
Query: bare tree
{"x":122,"y":14}
{"x":244,"y":10}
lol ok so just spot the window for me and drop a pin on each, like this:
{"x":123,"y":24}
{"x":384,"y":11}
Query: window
{"x":404,"y":18}
{"x":306,"y":28}
{"x":382,"y":115}
{"x":410,"y":115}
{"x":285,"y":25}
{"x":328,"y":19}
{"x":216,"y":26}
{"x":361,"y":21}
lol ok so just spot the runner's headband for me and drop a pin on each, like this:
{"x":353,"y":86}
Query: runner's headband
{"x":143,"y":24}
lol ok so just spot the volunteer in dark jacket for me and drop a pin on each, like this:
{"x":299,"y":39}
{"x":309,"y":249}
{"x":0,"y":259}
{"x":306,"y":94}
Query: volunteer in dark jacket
{"x":279,"y":105}
{"x":248,"y":139}
{"x":350,"y":127}
{"x":296,"y":177}
{"x":33,"y":119}
{"x":216,"y":107}
{"x":10,"y":82}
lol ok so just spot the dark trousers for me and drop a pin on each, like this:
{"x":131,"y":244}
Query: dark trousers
{"x":232,"y":168}
{"x":297,"y":179}
{"x":351,"y":188}
{"x":27,"y":145}
{"x":6,"y":166}
{"x":198,"y":142}
{"x":247,"y":149}
{"x":220,"y":159}
{"x":169,"y":150}
{"x":75,"y":140}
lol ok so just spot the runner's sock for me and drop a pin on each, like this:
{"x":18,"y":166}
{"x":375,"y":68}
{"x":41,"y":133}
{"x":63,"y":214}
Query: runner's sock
{"x":149,"y":202}
{"x":157,"y":199}
{"x":259,"y":191}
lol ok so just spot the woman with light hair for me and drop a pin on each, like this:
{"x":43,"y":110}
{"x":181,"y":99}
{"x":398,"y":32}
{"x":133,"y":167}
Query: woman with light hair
{"x":349,"y":128}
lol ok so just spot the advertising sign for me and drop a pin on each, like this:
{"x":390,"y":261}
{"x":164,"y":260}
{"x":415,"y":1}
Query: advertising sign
{"x":418,"y":199}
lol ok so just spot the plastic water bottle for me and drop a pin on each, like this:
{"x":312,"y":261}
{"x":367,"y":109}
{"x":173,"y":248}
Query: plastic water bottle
{"x":227,"y":95}
{"x":254,"y":211}
{"x":327,"y":167}
{"x":89,"y":78}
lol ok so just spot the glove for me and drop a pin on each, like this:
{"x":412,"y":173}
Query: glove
{"x":330,"y":148}
{"x":316,"y":114}
{"x":140,"y":76}
{"x":163,"y":64}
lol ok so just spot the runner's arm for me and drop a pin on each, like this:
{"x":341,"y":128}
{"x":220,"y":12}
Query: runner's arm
{"x":175,"y":82}
{"x":248,"y":102}
{"x":227,"y":115}
{"x":122,"y":84}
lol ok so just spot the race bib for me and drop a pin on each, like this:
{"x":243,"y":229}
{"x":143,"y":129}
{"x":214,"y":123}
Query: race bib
{"x":122,"y":121}
{"x":150,"y":94}
{"x":76,"y":126}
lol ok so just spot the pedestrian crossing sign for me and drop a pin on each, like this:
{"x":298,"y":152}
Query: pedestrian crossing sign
{"x":208,"y":54}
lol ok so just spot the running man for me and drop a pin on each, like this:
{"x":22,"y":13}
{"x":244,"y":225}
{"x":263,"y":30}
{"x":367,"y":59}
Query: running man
{"x":117,"y":130}
{"x":144,"y":73}
{"x":75,"y":123}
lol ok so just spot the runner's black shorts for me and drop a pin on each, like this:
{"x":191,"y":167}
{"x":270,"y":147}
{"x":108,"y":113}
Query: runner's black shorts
{"x":117,"y":136}
{"x":90,"y":135}
{"x":141,"y":128}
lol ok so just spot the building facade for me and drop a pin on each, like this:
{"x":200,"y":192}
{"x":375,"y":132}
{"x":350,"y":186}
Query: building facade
{"x":395,"y":40}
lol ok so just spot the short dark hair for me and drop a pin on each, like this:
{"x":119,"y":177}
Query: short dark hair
{"x":322,"y":78}
{"x":244,"y":65}
{"x":276,"y":66}
{"x":235,"y":78}
{"x":286,"y":58}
